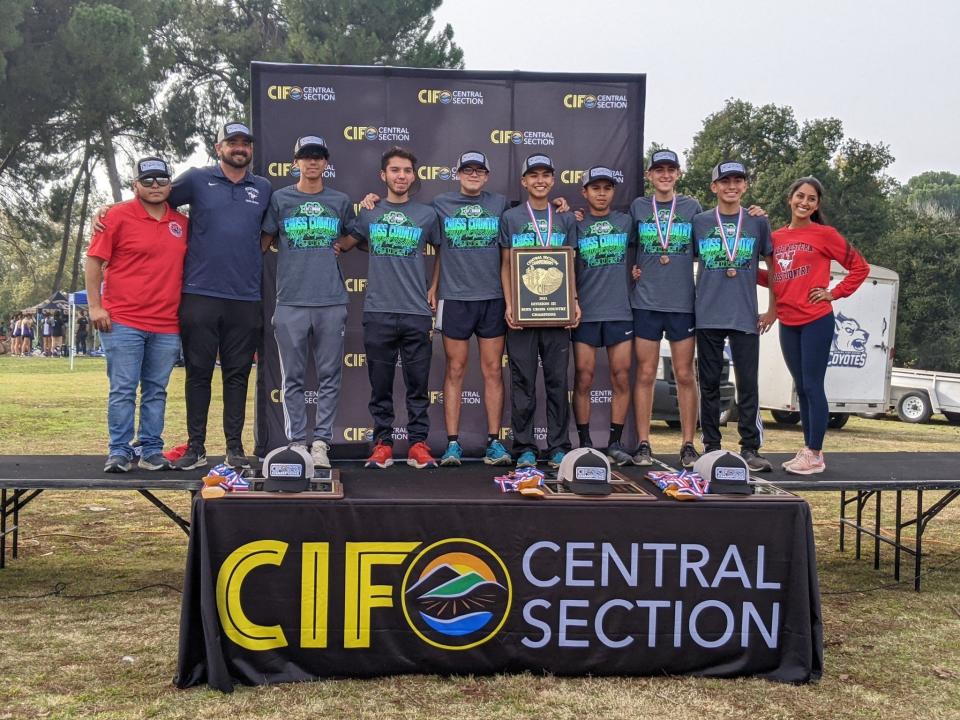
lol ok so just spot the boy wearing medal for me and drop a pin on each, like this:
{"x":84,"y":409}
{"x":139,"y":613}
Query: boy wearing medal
{"x":604,"y":295}
{"x":532,"y":224}
{"x":662,"y":300}
{"x":729,"y":244}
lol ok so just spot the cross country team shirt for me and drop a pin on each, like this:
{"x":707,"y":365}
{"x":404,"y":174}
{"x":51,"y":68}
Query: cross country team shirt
{"x":224,"y":259}
{"x":144,"y":270}
{"x":664,"y":286}
{"x":801,"y":262}
{"x":726,"y":302}
{"x":307,"y":225}
{"x":516,"y":228}
{"x":396,"y":235}
{"x":602,"y":274}
{"x":469,"y":252}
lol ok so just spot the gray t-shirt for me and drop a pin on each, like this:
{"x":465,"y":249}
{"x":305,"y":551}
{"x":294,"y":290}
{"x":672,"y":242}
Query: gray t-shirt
{"x":664,"y":287}
{"x":723,"y":302}
{"x":602,"y":272}
{"x":516,"y":228}
{"x":307,"y":225}
{"x":395,"y":235}
{"x":469,"y":253}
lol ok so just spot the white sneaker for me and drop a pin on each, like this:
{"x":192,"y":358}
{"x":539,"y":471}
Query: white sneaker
{"x":318,"y":452}
{"x":810,"y":463}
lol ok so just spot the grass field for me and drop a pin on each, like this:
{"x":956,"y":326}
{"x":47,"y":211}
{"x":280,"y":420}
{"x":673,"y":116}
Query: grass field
{"x":890,"y":653}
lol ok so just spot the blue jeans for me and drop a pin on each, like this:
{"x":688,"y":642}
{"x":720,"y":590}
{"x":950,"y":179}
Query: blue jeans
{"x":137,"y":358}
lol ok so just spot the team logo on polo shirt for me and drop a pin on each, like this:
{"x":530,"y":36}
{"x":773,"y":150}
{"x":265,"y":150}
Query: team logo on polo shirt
{"x":456,"y":594}
{"x":176,"y":229}
{"x":253,"y":195}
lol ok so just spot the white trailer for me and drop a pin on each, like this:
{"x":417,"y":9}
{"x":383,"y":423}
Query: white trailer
{"x":917,"y":394}
{"x":861,"y":357}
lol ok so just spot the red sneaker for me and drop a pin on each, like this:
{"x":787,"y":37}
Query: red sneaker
{"x":419,"y":456}
{"x":381,"y":457}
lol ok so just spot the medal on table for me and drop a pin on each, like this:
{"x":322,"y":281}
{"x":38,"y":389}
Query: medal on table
{"x":730,"y":252}
{"x":664,"y":240}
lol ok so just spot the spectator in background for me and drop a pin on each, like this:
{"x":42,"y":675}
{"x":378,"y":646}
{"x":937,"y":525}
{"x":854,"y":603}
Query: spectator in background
{"x":46,"y":333}
{"x":56,"y":334}
{"x":80,"y":339}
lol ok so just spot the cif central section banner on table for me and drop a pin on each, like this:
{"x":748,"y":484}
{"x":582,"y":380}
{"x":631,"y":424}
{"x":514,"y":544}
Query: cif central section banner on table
{"x":579,"y":120}
{"x":289,"y":590}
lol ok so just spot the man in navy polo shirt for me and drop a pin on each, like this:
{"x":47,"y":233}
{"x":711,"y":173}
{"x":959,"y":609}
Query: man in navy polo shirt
{"x":220,"y":311}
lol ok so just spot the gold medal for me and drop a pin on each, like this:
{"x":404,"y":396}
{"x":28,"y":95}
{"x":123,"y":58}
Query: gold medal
{"x":664,"y":259}
{"x":731,"y":272}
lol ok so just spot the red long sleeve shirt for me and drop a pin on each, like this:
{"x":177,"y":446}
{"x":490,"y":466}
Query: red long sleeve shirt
{"x":801,"y":262}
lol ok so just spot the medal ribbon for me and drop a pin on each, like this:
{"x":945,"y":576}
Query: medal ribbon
{"x":731,"y":254}
{"x":536,"y":226}
{"x":664,"y":240}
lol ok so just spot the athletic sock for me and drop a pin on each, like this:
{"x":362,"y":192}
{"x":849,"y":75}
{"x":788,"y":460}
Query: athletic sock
{"x":616,"y":431}
{"x":452,"y":438}
{"x":491,"y":437}
{"x":583,"y":431}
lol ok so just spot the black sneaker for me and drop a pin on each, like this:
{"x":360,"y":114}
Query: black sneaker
{"x":644,"y":455}
{"x":154,"y":462}
{"x":117,"y":464}
{"x":194,"y":457}
{"x":755,"y":461}
{"x":618,"y":455}
{"x":237,"y":458}
{"x":688,"y":455}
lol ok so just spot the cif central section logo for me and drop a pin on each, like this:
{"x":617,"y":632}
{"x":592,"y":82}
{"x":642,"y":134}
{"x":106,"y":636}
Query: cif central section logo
{"x":588,"y":101}
{"x":356,"y":133}
{"x":299,"y":93}
{"x":522,"y":137}
{"x":456,"y":594}
{"x":430,"y":96}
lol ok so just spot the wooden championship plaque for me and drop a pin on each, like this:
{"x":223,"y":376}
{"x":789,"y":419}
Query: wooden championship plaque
{"x":543,"y":286}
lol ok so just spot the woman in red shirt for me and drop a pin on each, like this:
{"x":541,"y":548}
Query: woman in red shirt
{"x":802,"y":253}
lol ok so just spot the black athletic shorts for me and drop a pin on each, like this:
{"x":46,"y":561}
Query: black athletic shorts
{"x":603,"y":333}
{"x":653,"y":325}
{"x":459,"y":319}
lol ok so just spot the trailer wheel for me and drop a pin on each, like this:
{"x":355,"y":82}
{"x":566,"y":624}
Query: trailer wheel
{"x":837,"y":420}
{"x":952,"y":417}
{"x":785,"y":417}
{"x":914,"y":407}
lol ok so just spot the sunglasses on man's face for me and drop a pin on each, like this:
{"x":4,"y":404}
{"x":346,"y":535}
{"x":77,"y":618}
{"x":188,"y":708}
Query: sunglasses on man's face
{"x":152,"y":181}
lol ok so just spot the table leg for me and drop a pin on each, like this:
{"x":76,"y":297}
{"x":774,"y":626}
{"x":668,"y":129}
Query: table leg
{"x":917,"y":560}
{"x":876,"y":534}
{"x":896,"y":552}
{"x":843,"y":515}
{"x":860,"y":501}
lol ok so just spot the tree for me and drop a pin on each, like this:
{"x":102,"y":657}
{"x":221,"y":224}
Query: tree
{"x":936,"y":194}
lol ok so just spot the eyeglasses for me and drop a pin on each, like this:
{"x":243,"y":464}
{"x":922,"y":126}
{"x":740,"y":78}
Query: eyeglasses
{"x":151,"y":181}
{"x":472,"y":171}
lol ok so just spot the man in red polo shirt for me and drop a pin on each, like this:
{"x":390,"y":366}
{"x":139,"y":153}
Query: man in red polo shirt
{"x":138,"y":262}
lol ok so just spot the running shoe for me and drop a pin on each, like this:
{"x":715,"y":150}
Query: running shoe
{"x":688,"y":455}
{"x":154,"y":462}
{"x":528,"y":458}
{"x":497,"y":454}
{"x":237,"y":458}
{"x":644,"y":454}
{"x":618,"y":455}
{"x":319,"y":451}
{"x":194,"y":457}
{"x":453,"y":454}
{"x":755,"y":461}
{"x":809,"y":463}
{"x":556,"y":459}
{"x":381,"y":457}
{"x":419,"y":456}
{"x":799,"y":454}
{"x":117,"y":464}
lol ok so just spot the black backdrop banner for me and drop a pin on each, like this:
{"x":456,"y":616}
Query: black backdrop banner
{"x":578,"y":119}
{"x":287,"y":589}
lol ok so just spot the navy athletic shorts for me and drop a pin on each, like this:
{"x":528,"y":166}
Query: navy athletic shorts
{"x":459,"y":319}
{"x":603,"y":333}
{"x":653,"y":325}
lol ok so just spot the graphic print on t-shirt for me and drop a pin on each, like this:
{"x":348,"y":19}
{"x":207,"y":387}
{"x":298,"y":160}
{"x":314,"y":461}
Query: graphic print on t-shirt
{"x":714,"y":256}
{"x":680,"y":234}
{"x":603,"y":244}
{"x":394,"y":234}
{"x":313,"y":225}
{"x":785,"y":256}
{"x":527,"y":237}
{"x":471,"y":227}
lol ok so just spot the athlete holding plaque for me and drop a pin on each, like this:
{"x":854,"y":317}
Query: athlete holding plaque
{"x":534,"y":224}
{"x":729,"y":244}
{"x":603,"y":237}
